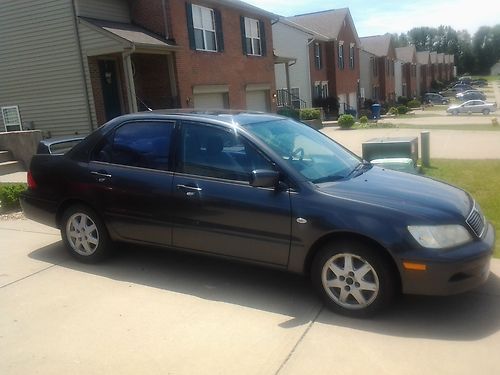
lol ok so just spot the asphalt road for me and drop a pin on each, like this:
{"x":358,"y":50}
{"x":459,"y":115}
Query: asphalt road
{"x":148,"y":311}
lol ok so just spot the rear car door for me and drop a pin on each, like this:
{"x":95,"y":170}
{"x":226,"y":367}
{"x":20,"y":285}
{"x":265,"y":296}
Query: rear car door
{"x":216,"y":210}
{"x":132,"y":180}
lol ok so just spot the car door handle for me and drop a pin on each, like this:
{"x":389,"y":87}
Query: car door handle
{"x":101,"y":176}
{"x":190,"y":190}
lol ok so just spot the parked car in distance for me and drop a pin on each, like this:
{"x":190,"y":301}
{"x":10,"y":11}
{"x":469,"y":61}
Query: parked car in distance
{"x":480,"y":82}
{"x":433,"y":98}
{"x":471,"y":95}
{"x":472,"y":106}
{"x":460,"y":87}
{"x":451,"y":92}
{"x":263,"y":189}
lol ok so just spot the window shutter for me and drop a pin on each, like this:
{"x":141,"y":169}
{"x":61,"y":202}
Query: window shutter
{"x":189,"y":17}
{"x":243,"y":37}
{"x":263,"y":44}
{"x":218,"y":30}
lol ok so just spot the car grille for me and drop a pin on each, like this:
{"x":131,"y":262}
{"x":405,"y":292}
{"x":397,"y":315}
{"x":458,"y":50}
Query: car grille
{"x":476,"y":221}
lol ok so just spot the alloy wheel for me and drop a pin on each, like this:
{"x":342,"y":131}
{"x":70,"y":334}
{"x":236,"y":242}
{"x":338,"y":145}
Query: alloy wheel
{"x":82,"y":234}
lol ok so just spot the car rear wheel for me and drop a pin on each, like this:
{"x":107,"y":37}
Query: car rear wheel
{"x":486,"y":111}
{"x":84,"y":234}
{"x":454,"y":112}
{"x":353,"y":279}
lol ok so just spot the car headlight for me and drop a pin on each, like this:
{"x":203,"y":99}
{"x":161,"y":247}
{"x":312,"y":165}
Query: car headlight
{"x":440,"y":236}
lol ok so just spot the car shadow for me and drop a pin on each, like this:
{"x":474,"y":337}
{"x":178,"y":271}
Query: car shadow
{"x":470,"y":316}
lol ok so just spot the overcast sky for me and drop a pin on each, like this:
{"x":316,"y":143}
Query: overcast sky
{"x":373,"y":17}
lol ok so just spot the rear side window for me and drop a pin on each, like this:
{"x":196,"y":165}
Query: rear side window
{"x":137,"y":144}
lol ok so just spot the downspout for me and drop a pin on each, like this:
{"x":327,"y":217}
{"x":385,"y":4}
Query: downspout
{"x":82,"y":66}
{"x":165,"y":22}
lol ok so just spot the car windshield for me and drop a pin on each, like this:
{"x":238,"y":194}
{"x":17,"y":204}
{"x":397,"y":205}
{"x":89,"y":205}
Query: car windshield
{"x":312,"y":154}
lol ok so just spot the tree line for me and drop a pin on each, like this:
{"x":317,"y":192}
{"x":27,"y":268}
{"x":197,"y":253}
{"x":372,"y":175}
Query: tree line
{"x":473,"y":54}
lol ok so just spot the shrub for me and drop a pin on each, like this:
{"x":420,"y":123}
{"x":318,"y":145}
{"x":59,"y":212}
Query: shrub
{"x":494,"y":122}
{"x":289,"y":112}
{"x":346,"y":121}
{"x":9,"y":195}
{"x":414,"y":103}
{"x":310,"y":114}
{"x":393,"y":111}
{"x":402,"y":100}
{"x":363,"y":119}
{"x":402,"y":109}
{"x":365,"y":112}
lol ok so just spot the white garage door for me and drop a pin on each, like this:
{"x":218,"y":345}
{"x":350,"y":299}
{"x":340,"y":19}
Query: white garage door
{"x":258,"y":100}
{"x":342,"y":102}
{"x":353,"y":102}
{"x":209,"y":101}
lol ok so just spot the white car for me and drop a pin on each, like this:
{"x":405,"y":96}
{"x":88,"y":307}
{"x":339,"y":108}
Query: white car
{"x":472,"y":106}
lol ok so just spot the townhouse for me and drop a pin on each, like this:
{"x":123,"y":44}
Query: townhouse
{"x":409,"y":70}
{"x":378,"y":79}
{"x":69,"y":66}
{"x":424,"y":62}
{"x":335,"y":71}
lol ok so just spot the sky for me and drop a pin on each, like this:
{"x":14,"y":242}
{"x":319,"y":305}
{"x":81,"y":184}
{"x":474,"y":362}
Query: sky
{"x":372,"y":17}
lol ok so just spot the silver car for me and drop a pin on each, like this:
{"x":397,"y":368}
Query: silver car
{"x":472,"y":106}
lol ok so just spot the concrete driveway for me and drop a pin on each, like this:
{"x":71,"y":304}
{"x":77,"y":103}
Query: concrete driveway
{"x":149,"y":312}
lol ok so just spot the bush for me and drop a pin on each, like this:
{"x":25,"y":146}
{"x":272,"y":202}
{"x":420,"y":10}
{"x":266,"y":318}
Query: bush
{"x":289,"y":112}
{"x":363,"y":119}
{"x":402,"y":100}
{"x":310,"y":114}
{"x":402,"y":109}
{"x":346,"y":121}
{"x":365,"y":112}
{"x":9,"y":195}
{"x":393,"y":111}
{"x":414,"y":103}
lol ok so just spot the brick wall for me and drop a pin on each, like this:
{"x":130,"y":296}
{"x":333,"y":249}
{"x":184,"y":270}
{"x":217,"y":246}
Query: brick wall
{"x":230,"y":67}
{"x":318,"y":74}
{"x":152,"y":81}
{"x":149,"y":14}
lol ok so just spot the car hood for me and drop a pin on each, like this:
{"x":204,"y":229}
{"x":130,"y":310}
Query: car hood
{"x":412,"y":195}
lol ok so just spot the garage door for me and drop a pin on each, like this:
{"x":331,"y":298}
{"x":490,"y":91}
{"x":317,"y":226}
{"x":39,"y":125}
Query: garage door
{"x":258,"y":100}
{"x":353,"y":100}
{"x":210,"y":101}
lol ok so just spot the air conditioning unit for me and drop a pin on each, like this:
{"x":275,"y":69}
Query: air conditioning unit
{"x":398,"y":147}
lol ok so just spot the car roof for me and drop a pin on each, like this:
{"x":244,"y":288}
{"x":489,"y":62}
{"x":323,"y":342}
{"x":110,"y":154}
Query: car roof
{"x":231,"y":117}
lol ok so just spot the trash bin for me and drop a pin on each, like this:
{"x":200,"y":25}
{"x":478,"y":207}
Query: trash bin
{"x":376,"y":110}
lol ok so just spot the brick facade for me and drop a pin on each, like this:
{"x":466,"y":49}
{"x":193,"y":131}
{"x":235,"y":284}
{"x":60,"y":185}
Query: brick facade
{"x":346,"y":79}
{"x":230,"y":67}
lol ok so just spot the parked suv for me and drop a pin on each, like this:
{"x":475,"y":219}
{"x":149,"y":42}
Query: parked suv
{"x":268,"y":190}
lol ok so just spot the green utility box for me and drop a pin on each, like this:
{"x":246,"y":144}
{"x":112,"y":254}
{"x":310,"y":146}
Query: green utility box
{"x":398,"y":147}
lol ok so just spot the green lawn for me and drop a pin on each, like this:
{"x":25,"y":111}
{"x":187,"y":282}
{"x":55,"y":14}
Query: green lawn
{"x":481,"y":178}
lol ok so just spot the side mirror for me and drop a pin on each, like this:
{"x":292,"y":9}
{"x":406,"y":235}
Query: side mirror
{"x":264,"y":178}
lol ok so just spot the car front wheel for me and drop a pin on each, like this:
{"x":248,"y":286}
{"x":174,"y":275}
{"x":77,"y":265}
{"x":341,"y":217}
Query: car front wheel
{"x":84,"y":234}
{"x":486,"y":111}
{"x":353,"y":279}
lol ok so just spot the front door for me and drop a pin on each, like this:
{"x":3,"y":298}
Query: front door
{"x":110,"y":89}
{"x":216,"y":210}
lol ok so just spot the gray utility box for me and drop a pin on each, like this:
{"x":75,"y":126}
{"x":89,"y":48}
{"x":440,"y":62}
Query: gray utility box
{"x":399,"y":147}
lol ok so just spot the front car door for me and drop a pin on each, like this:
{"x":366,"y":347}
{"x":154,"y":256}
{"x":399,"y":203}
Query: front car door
{"x":132,"y":180}
{"x":216,"y":209}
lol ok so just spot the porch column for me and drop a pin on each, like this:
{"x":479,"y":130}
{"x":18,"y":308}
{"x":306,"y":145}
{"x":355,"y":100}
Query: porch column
{"x":287,"y":74}
{"x":129,"y":78}
{"x":173,"y":81}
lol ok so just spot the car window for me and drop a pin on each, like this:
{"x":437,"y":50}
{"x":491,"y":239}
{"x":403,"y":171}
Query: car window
{"x":144,"y":144}
{"x":214,"y":152}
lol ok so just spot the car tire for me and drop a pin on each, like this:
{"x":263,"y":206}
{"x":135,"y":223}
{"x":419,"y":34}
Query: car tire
{"x":486,"y":111}
{"x":84,"y":234}
{"x":454,"y":113}
{"x":353,"y":278}
{"x":444,"y":102}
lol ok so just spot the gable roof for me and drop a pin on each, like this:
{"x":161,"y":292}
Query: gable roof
{"x":433,"y":56}
{"x":406,"y":54}
{"x":377,"y":45}
{"x":423,"y":57}
{"x":238,"y":4}
{"x":312,"y":33}
{"x":327,"y":22}
{"x":440,"y":58}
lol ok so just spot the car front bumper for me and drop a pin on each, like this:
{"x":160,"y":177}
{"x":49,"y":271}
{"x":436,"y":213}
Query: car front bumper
{"x":459,"y":271}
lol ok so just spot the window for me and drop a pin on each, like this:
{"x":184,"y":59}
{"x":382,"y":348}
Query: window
{"x":317,"y":55}
{"x":351,"y":56}
{"x":324,"y":90}
{"x":373,"y":61}
{"x":204,"y":28}
{"x":212,"y":152}
{"x":341,"y":55}
{"x":317,"y":90}
{"x":144,"y":144}
{"x":392,"y":68}
{"x":375,"y":93}
{"x":11,"y":118}
{"x":253,"y":37}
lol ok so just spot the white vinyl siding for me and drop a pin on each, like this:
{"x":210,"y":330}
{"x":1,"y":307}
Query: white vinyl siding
{"x":95,"y":43}
{"x":40,"y":68}
{"x":110,"y":10}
